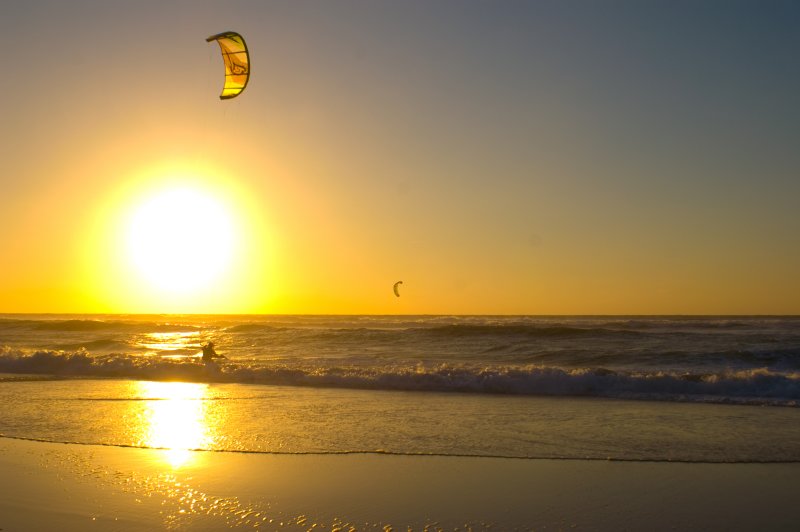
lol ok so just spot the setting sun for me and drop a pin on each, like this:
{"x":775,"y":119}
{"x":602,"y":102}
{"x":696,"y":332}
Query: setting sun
{"x":180,"y":239}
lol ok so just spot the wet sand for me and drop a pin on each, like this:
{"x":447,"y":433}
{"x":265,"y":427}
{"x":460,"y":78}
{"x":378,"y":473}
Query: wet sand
{"x":84,"y":487}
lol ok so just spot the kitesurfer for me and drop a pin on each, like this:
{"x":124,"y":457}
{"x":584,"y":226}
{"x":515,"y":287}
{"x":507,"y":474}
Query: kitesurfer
{"x":209,"y":353}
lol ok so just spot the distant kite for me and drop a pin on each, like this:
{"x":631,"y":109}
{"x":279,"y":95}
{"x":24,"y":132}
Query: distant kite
{"x":396,"y":288}
{"x":237,"y":63}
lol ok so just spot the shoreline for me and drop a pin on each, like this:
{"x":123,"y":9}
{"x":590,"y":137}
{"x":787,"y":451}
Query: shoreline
{"x":410,"y":454}
{"x":82,"y":487}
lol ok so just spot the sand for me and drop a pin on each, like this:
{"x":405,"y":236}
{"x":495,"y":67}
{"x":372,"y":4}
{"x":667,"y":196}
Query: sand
{"x":82,"y":487}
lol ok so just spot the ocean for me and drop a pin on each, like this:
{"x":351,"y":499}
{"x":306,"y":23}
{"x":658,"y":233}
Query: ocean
{"x":656,"y":388}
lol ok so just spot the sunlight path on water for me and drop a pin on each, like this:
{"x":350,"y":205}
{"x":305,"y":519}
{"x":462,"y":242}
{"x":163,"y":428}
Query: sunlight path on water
{"x":177,"y":421}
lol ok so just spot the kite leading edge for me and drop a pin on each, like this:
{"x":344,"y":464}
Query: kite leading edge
{"x":237,"y":63}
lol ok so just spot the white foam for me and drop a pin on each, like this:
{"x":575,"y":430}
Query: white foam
{"x":751,"y":386}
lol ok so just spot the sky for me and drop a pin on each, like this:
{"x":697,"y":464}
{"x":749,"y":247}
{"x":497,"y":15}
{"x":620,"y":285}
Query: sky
{"x":537,"y":157}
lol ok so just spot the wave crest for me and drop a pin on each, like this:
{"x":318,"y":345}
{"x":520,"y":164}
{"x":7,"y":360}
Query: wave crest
{"x":752,"y":386}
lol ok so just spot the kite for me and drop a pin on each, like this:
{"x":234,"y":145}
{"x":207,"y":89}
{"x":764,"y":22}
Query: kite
{"x":396,"y":288}
{"x":237,"y":63}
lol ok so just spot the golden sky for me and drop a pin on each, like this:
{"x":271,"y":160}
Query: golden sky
{"x":511,"y":158}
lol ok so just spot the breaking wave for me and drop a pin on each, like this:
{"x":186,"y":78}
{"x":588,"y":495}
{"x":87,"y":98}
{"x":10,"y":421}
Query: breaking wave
{"x":759,"y":386}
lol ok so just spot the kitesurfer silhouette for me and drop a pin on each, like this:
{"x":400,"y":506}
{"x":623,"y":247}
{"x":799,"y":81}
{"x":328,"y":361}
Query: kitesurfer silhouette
{"x":209,"y":353}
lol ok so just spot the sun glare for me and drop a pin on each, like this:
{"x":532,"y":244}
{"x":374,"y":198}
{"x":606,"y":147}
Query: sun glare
{"x":176,"y":420}
{"x":180,"y":239}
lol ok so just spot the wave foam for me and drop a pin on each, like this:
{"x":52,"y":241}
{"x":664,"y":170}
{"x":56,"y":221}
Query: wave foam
{"x":753,"y":386}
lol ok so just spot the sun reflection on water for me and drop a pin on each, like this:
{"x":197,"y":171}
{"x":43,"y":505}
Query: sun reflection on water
{"x":177,"y":419}
{"x":171,"y":341}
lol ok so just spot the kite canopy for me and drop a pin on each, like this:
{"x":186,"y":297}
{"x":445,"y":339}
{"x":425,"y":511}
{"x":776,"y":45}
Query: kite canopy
{"x":396,"y":288}
{"x":237,"y":62}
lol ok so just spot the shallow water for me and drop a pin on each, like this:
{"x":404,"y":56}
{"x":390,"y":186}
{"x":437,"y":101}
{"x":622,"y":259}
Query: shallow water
{"x":298,"y":420}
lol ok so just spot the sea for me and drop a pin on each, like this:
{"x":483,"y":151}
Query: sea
{"x":632,"y":388}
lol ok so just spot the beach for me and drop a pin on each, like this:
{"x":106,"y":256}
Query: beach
{"x":86,"y":487}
